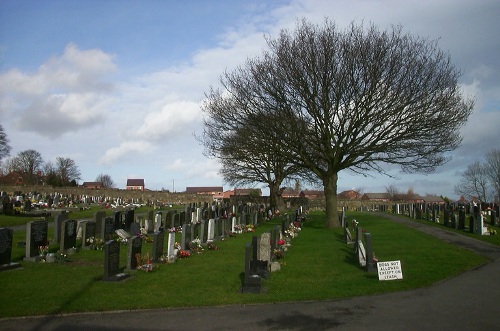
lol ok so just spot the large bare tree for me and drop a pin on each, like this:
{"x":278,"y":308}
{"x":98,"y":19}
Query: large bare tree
{"x":355,"y":99}
{"x":245,"y":155}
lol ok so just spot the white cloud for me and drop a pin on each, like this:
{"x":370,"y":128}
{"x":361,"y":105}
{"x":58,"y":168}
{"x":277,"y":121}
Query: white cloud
{"x":131,"y":149}
{"x":67,"y":93}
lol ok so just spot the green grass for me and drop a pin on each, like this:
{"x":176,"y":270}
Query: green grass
{"x":318,"y":266}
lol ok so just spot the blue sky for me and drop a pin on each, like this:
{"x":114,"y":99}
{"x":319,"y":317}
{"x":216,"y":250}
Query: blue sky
{"x":117,"y":85}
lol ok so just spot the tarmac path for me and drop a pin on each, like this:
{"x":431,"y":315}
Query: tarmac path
{"x":470,"y":301}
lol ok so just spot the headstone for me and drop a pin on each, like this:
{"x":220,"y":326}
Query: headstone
{"x":88,"y":231}
{"x":112,"y":271}
{"x":135,"y":229}
{"x":211,"y":230}
{"x":158,"y":224}
{"x":370,"y":265}
{"x":461,"y":219}
{"x":6,"y":236}
{"x":124,"y":235}
{"x":36,"y":236}
{"x":59,"y":218}
{"x":264,"y":247}
{"x":68,"y":235}
{"x":108,"y":229}
{"x":134,"y":247}
{"x":186,"y":236}
{"x":361,"y":254}
{"x":171,"y":245}
{"x":251,"y":282}
{"x":158,"y":242}
{"x":129,"y":219}
{"x":149,"y":226}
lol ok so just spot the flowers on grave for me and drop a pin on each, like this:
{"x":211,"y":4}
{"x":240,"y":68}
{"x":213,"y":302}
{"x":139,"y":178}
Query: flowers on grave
{"x":281,"y":242}
{"x":95,"y":243}
{"x":177,"y":245}
{"x":144,"y":262}
{"x":492,"y":231}
{"x":172,"y":230}
{"x":212,"y":247}
{"x":249,"y":228}
{"x":61,"y":258}
{"x":195,"y":246}
{"x":238,"y":228}
{"x":43,"y":249}
{"x":278,"y":254}
{"x":183,"y":254}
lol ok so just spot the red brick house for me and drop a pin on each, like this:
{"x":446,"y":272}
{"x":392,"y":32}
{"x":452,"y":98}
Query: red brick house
{"x":135,"y":184}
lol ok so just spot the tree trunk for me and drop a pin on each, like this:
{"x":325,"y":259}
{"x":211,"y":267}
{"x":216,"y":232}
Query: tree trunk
{"x":330,"y":187}
{"x":275,"y":198}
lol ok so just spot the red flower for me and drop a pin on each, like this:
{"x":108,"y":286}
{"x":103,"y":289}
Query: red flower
{"x":281,"y":242}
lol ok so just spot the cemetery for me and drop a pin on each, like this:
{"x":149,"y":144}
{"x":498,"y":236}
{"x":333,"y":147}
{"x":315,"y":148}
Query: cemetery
{"x":199,"y":254}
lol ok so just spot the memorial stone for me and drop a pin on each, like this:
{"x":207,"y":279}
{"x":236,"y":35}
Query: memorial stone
{"x":36,"y":236}
{"x":134,"y":247}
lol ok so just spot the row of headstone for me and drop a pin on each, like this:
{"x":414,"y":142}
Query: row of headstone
{"x":363,"y":246}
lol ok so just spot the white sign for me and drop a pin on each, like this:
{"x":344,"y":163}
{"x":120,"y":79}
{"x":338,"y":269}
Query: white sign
{"x":389,"y":270}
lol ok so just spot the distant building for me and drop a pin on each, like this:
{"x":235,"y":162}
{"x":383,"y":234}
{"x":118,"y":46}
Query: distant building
{"x":135,"y":184}
{"x":382,"y":197}
{"x":312,"y":194}
{"x":92,"y":185}
{"x":216,"y":191}
{"x":433,"y":199}
{"x":289,"y":193}
{"x":349,"y":195}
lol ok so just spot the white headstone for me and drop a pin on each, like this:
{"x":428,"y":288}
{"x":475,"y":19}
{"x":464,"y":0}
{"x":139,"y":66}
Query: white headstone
{"x":233,"y":224}
{"x":171,"y":244}
{"x":157,"y":223}
{"x":211,"y":227}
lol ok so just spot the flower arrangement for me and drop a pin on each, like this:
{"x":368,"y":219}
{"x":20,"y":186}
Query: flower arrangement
{"x":96,"y":243}
{"x":195,"y":246}
{"x":238,"y":228}
{"x":492,"y":231}
{"x":172,"y":230}
{"x":212,"y":247}
{"x":281,"y":242}
{"x":183,"y":254}
{"x":278,"y":254}
{"x":61,"y":258}
{"x":249,"y":228}
{"x":144,"y":262}
{"x":44,"y":249}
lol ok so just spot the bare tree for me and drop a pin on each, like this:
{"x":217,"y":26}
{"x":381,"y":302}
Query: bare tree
{"x":105,"y":180}
{"x":474,"y":182}
{"x":67,"y":171}
{"x":4,"y":144}
{"x":393,"y":192}
{"x":492,"y":167}
{"x":28,"y":163}
{"x":350,"y":100}
{"x":245,"y":155}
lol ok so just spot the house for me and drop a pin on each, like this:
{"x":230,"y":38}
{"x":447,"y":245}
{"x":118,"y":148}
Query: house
{"x":382,"y":197}
{"x":434,"y":199}
{"x":312,"y":194}
{"x":92,"y":185}
{"x":289,"y":193}
{"x":349,"y":195}
{"x":216,"y":191}
{"x":135,"y":184}
{"x":248,"y":191}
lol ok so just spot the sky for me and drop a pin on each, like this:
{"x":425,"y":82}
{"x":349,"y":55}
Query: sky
{"x":117,"y":85}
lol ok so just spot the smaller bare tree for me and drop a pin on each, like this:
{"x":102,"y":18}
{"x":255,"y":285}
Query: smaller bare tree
{"x":474,"y":182}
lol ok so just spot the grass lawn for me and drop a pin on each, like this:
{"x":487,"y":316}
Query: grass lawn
{"x":318,"y":266}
